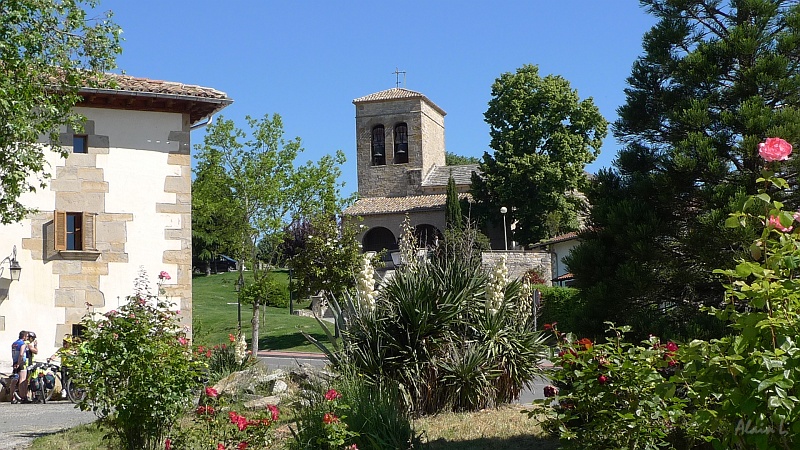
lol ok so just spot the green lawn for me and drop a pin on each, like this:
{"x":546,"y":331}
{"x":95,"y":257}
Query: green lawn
{"x":214,"y":316}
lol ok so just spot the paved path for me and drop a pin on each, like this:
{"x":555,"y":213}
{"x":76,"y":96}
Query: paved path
{"x":21,"y":424}
{"x":275,"y":359}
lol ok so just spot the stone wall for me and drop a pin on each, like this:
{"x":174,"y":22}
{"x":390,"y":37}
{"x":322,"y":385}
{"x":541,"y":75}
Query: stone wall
{"x":518,"y":262}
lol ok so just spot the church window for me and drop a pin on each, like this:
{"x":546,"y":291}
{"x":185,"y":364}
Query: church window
{"x":378,"y":146}
{"x":400,"y":143}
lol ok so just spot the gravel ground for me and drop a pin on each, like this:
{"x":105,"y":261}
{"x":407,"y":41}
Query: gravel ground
{"x":21,"y":424}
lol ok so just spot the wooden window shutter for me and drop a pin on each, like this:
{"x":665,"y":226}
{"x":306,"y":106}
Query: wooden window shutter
{"x":87,"y":229}
{"x":60,"y":230}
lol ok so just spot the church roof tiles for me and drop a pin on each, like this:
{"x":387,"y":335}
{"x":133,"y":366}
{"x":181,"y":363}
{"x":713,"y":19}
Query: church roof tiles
{"x":440,"y":175}
{"x":393,"y":205}
{"x":397,"y":94}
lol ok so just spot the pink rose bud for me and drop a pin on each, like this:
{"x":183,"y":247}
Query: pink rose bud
{"x":602,"y":379}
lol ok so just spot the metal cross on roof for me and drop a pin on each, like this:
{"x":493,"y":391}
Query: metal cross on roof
{"x":397,"y":73}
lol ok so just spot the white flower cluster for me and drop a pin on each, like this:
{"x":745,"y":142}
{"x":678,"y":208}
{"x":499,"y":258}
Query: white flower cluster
{"x":408,"y":249}
{"x":365,"y":283}
{"x":495,"y":287}
{"x":240,"y":351}
{"x":525,"y":300}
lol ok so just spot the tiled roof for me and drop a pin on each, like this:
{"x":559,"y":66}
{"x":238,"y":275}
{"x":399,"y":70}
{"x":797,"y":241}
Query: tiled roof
{"x":439,"y":175}
{"x":396,"y":94}
{"x":556,"y":239}
{"x":566,"y":277}
{"x":392,"y":205}
{"x":114,"y":91}
{"x":146,"y":85}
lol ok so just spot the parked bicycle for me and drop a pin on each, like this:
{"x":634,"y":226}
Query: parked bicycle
{"x":42,"y":378}
{"x":73,"y":391}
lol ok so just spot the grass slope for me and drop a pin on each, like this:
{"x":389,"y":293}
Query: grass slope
{"x":215,"y":317}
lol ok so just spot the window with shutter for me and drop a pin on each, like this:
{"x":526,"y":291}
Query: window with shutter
{"x":74,"y":231}
{"x":60,"y":227}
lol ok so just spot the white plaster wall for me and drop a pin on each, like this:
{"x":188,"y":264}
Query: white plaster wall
{"x":560,"y":250}
{"x":135,"y":168}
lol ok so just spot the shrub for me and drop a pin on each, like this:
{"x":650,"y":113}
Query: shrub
{"x":451,"y":336}
{"x":217,"y":426}
{"x":225,"y":359}
{"x":137,"y":367}
{"x":560,"y":305}
{"x":613,"y":394}
{"x":268,"y":291}
{"x":371,"y":415}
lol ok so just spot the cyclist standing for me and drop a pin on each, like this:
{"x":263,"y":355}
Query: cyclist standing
{"x":19,"y":355}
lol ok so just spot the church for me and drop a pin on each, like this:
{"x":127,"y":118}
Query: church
{"x":400,"y":157}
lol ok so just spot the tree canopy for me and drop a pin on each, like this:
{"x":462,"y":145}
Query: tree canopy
{"x":542,"y":135}
{"x":48,"y":50}
{"x":715,"y":79}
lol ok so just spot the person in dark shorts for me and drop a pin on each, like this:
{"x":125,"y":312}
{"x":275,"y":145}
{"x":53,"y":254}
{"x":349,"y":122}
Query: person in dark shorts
{"x":19,"y":357}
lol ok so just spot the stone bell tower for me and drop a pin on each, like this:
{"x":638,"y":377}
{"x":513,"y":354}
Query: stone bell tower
{"x":399,"y":139}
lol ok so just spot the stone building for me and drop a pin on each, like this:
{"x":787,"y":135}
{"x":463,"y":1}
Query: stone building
{"x":400,"y":157}
{"x":119,"y":202}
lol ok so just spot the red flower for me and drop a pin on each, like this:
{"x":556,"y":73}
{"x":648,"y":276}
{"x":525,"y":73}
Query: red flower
{"x":329,"y":418}
{"x":586,"y":343}
{"x":550,"y":391}
{"x":548,"y":327}
{"x":273,"y":411}
{"x":242,"y":445}
{"x":205,"y":410}
{"x":220,"y":446}
{"x":332,"y":395}
{"x":168,"y":444}
{"x":672,"y":347}
{"x":231,"y":338}
{"x":211,"y":392}
{"x":602,"y":379}
{"x":183,"y":340}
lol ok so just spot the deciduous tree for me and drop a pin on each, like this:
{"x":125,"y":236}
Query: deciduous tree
{"x":267,"y":189}
{"x":49,"y":49}
{"x":543,"y":135}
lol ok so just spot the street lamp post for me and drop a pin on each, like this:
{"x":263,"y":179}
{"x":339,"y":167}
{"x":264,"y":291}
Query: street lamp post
{"x":503,"y":211}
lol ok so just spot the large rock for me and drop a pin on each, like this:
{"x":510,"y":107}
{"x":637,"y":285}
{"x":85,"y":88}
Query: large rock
{"x":262,"y":402}
{"x":246,"y":381}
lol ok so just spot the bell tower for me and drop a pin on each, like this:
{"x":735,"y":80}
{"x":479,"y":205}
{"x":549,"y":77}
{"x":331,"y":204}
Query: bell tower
{"x":399,"y":139}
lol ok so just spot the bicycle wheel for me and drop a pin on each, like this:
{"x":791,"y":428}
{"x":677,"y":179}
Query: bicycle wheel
{"x":75,"y":393}
{"x":43,"y":391}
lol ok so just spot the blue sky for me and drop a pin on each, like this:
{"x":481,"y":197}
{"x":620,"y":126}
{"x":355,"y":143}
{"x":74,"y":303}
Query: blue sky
{"x":308,"y":60}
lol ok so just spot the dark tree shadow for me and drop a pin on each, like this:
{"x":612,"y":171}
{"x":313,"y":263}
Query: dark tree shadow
{"x":512,"y":443}
{"x":288,"y":341}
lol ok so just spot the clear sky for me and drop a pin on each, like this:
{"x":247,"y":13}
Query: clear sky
{"x":308,"y":60}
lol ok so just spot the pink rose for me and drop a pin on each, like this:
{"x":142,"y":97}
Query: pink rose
{"x":165,"y":276}
{"x":183,"y":340}
{"x":775,"y":149}
{"x":211,"y":392}
{"x":774,"y":222}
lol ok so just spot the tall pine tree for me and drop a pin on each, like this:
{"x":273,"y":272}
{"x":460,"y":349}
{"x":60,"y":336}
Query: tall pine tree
{"x":716,"y":78}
